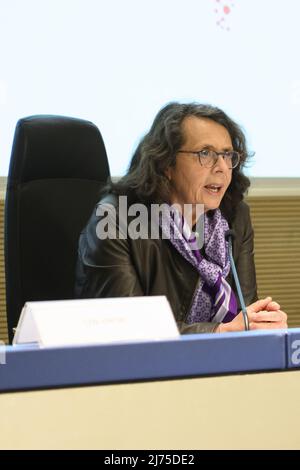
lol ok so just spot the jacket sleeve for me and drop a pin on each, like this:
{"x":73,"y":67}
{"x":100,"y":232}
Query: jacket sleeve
{"x":244,"y":253}
{"x":194,"y":328}
{"x":104,"y":267}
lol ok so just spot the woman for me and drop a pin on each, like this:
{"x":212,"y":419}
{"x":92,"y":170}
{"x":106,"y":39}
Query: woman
{"x":193,"y":155}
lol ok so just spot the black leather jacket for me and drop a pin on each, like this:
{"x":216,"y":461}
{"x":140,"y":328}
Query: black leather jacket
{"x":121,"y":268}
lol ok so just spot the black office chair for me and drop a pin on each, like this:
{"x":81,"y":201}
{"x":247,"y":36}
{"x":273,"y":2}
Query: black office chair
{"x":58,"y":166}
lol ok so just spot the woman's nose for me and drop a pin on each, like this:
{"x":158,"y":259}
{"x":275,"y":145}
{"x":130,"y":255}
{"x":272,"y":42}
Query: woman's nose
{"x":220,"y":165}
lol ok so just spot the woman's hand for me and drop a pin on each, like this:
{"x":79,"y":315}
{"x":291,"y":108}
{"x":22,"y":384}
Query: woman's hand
{"x":263,"y":315}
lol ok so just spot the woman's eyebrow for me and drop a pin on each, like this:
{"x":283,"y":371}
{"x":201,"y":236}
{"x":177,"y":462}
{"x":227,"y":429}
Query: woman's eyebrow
{"x":212,"y":147}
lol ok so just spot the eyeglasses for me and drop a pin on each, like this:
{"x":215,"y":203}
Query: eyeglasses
{"x":208,"y":158}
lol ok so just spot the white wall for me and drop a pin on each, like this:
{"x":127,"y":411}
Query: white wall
{"x":116,"y":62}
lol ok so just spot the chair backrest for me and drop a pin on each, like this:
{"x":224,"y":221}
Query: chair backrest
{"x":58,"y":166}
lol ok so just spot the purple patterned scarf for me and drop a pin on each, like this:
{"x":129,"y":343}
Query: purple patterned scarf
{"x":214,"y":300}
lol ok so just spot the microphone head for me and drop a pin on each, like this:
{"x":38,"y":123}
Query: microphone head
{"x":229,"y":234}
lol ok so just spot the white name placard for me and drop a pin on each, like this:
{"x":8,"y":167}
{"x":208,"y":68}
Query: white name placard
{"x":95,"y":321}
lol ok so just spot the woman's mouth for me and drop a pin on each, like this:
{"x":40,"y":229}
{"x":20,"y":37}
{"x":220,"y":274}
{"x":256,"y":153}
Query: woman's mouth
{"x":213,"y":188}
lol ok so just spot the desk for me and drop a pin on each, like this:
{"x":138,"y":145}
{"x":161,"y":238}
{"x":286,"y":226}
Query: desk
{"x":169,"y":409}
{"x":241,"y":411}
{"x":29,"y":368}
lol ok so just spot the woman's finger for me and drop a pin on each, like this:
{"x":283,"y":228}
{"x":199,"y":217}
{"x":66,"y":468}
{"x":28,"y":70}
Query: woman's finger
{"x":259,"y":305}
{"x":273,"y":306}
{"x":268,"y":316}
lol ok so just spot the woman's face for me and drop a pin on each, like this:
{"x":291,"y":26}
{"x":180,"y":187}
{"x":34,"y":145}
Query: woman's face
{"x":191,"y":182}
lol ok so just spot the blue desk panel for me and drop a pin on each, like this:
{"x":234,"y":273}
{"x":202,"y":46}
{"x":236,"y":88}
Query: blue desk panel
{"x":190,"y":355}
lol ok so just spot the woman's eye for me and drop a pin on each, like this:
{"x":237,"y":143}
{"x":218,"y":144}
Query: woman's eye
{"x":204,"y":153}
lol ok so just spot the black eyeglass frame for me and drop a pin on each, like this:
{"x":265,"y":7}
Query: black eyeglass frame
{"x":215,"y":156}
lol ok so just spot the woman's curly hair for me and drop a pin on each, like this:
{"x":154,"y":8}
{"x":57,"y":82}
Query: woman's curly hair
{"x":146,"y":181}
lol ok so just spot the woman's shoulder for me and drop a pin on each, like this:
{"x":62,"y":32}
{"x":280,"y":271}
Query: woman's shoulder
{"x":242,"y":210}
{"x":242,"y":221}
{"x":113,"y":199}
{"x":108,"y":199}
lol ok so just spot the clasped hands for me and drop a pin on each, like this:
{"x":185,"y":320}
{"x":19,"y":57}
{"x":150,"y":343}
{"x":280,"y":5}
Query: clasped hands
{"x":263,"y":314}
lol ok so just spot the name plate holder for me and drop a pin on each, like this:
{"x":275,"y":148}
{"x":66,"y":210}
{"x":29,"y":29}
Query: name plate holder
{"x":96,"y":321}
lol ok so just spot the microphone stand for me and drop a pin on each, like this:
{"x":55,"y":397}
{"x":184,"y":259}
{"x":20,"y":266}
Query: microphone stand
{"x":228,"y":236}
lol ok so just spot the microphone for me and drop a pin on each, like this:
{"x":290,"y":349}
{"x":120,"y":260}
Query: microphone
{"x":229,"y":236}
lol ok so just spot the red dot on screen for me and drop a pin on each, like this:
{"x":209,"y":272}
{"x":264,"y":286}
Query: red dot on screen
{"x":226,"y":10}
